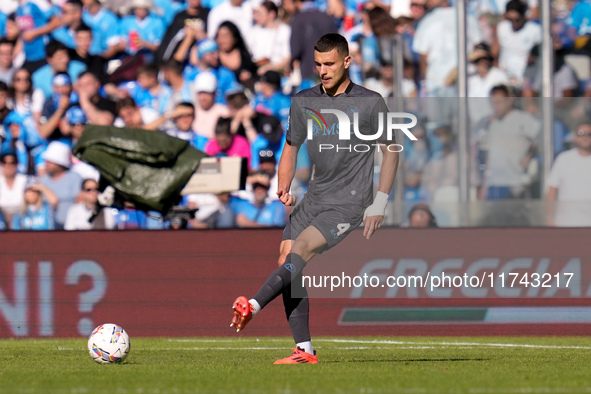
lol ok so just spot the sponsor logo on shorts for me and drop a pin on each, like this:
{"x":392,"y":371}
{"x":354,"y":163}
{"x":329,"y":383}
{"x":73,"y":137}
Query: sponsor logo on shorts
{"x":290,"y":267}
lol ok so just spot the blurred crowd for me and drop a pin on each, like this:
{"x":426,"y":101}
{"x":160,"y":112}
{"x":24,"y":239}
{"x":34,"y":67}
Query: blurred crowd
{"x":220,"y":73}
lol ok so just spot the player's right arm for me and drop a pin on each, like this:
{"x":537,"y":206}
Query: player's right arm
{"x":286,"y":172}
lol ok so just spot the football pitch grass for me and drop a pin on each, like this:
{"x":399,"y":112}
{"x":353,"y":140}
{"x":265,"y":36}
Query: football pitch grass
{"x":347,"y":365}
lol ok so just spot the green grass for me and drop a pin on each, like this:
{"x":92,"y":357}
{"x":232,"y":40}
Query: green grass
{"x":358,"y":365}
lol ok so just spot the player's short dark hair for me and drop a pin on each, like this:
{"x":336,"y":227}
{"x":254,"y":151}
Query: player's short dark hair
{"x":330,"y":41}
{"x":223,"y":126}
{"x":83,"y":28}
{"x":53,"y":47}
{"x":501,"y":89}
{"x":173,"y":65}
{"x":127,"y":102}
{"x":270,"y":6}
{"x":149,"y":69}
{"x":518,"y":6}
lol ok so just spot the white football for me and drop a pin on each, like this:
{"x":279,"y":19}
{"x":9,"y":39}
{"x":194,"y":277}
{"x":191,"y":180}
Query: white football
{"x":108,"y":343}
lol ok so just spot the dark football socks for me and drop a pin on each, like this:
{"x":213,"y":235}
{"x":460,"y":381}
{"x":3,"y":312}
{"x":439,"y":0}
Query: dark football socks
{"x":281,"y":279}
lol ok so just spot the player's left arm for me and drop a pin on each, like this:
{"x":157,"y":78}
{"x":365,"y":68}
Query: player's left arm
{"x":374,"y":214}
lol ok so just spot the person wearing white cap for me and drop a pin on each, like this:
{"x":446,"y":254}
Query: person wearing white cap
{"x":58,"y":178}
{"x":208,"y":110}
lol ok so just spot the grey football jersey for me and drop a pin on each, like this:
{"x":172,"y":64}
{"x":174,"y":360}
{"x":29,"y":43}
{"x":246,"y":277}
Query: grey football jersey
{"x":343,"y":168}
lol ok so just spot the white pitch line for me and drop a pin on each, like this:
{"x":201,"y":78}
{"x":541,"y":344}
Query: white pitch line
{"x":387,"y":342}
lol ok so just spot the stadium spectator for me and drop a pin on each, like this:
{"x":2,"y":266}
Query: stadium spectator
{"x":442,"y":168}
{"x":23,"y":139}
{"x":71,"y":19}
{"x":180,"y":88}
{"x":435,"y":41}
{"x":80,"y":213}
{"x":270,"y":99}
{"x":515,"y":38}
{"x":207,"y":110}
{"x":269,"y":39}
{"x":58,"y":178}
{"x":482,"y":81}
{"x":37,"y":211}
{"x":184,"y":119}
{"x":215,"y":211}
{"x":98,"y":110}
{"x":102,"y":22}
{"x":194,"y":16}
{"x":72,"y":126}
{"x":209,"y":61}
{"x":566,"y":83}
{"x":569,"y":182}
{"x":130,"y":115}
{"x":309,"y":24}
{"x":363,"y":34}
{"x":58,"y":61}
{"x":264,"y":132}
{"x":234,"y":54}
{"x":147,"y":91}
{"x":141,"y":31}
{"x":237,"y":12}
{"x":84,"y":41}
{"x":261,"y":212}
{"x":511,"y":141}
{"x":22,"y":98}
{"x":420,"y":216}
{"x":34,"y":26}
{"x":4,"y":110}
{"x":55,"y":108}
{"x":7,"y":68}
{"x":12,"y":185}
{"x":226,"y":143}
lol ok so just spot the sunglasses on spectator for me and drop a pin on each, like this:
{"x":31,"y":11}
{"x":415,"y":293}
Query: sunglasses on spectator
{"x":417,"y":5}
{"x":22,"y":79}
{"x":582,"y":133}
{"x":93,"y":189}
{"x":515,"y":20}
{"x":9,"y":163}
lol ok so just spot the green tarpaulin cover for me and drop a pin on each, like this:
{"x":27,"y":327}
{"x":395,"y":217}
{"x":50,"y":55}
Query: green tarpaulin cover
{"x":147,"y":167}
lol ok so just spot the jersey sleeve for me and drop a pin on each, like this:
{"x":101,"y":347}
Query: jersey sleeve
{"x":296,"y":125}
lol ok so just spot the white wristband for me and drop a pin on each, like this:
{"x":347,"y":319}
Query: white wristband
{"x":378,"y":208}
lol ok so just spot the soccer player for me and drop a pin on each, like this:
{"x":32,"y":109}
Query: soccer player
{"x":340,"y":195}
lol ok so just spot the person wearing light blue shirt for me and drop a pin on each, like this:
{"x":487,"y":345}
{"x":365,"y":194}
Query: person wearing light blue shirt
{"x":167,"y":9}
{"x":261,"y":213}
{"x":104,"y":25}
{"x":148,"y":28}
{"x":207,"y":51}
{"x":3,"y":20}
{"x":58,"y":60}
{"x":29,"y":16}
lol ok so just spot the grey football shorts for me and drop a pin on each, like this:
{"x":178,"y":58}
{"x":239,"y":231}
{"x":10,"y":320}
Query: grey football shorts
{"x":334,"y":222}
